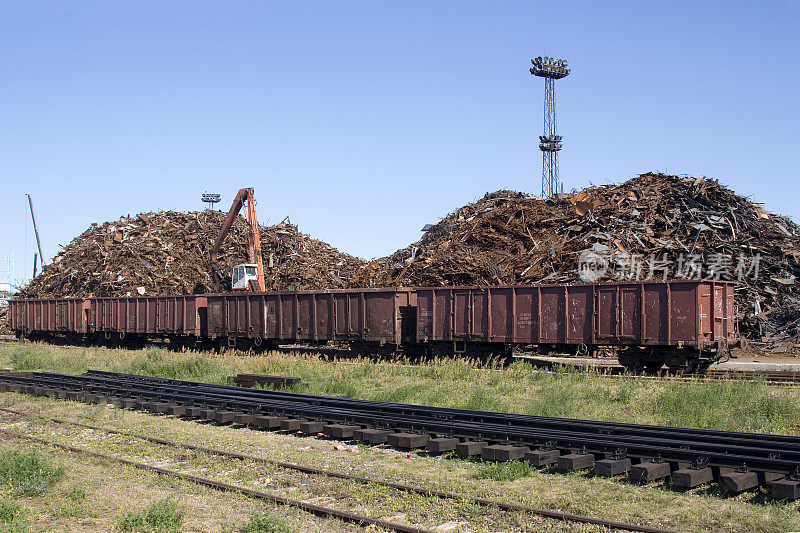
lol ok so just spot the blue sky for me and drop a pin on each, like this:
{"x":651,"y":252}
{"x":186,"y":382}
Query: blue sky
{"x":365,"y":120}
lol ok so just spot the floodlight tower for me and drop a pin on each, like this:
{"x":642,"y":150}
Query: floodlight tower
{"x":550,"y":143}
{"x":210,"y":199}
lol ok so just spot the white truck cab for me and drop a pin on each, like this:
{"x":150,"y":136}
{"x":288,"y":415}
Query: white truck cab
{"x":241,"y":275}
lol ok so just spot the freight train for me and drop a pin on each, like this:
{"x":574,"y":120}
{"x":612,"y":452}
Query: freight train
{"x":685,"y":325}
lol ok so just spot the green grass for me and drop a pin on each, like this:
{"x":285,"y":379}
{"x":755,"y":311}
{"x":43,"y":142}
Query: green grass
{"x":10,"y":511}
{"x":28,"y":473}
{"x":467,"y":384}
{"x":76,"y":494}
{"x":12,"y":516}
{"x":264,"y":522}
{"x":164,"y":516}
{"x":504,"y":471}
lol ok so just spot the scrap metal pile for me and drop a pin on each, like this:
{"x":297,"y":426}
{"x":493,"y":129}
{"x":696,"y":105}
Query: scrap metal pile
{"x":4,"y":321}
{"x":168,"y":253}
{"x":651,"y":227}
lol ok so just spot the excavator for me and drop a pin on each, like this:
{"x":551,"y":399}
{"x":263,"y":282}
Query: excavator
{"x":248,"y":276}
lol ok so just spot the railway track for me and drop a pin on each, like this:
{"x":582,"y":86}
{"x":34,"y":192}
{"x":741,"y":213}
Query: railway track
{"x":406,"y":488}
{"x":686,"y":457}
{"x":319,"y":510}
{"x":787,"y":378}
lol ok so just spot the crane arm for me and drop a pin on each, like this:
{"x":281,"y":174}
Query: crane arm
{"x":254,"y":235}
{"x":255,"y":240}
{"x":36,"y":232}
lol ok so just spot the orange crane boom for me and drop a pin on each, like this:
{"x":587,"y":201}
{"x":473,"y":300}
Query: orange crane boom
{"x":243,"y":197}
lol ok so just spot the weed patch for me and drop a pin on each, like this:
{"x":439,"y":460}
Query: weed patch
{"x":504,"y":471}
{"x":163,"y":517}
{"x":76,"y":494}
{"x":265,"y":523}
{"x":28,"y":473}
{"x":10,"y":511}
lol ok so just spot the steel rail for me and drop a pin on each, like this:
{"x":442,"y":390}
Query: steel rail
{"x":548,"y":513}
{"x":305,"y":506}
{"x":673,"y":449}
{"x":444,"y":411}
{"x":505,"y":430}
{"x":787,"y":378}
{"x":296,"y":408}
{"x":786,"y":443}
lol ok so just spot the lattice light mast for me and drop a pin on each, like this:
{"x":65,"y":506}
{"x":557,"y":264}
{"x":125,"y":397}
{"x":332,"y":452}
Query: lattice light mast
{"x":550,"y":143}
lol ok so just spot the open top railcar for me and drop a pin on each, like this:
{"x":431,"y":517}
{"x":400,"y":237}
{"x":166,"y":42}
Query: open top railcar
{"x":686,"y":325}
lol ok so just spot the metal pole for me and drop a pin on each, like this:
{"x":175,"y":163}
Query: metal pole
{"x":36,"y":231}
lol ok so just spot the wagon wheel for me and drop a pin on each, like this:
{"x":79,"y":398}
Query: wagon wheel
{"x":632,"y":364}
{"x":686,"y":366}
{"x":652,"y":367}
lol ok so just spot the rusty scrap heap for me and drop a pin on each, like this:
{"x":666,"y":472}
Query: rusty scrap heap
{"x":168,"y":253}
{"x":651,"y":227}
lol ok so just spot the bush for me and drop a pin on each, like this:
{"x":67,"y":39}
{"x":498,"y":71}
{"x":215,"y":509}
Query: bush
{"x":28,"y":473}
{"x":265,"y":523}
{"x":163,"y":516}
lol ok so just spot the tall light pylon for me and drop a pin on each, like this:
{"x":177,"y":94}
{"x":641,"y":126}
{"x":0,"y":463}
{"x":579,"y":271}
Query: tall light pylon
{"x":550,"y":143}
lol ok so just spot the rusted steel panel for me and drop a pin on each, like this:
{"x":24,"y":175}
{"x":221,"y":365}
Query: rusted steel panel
{"x":288,"y":312}
{"x":656,"y":315}
{"x":272,"y":324}
{"x":381,"y":317}
{"x":718,"y":315}
{"x":442,"y":314}
{"x":607,"y":313}
{"x":424,"y":315}
{"x":630,"y":312}
{"x":462,"y":310}
{"x":323,"y":311}
{"x":580,"y":309}
{"x":256,"y":315}
{"x":215,"y":312}
{"x":651,"y":313}
{"x":480,"y":315}
{"x":553,"y":314}
{"x":683,"y":313}
{"x":372,"y":315}
{"x":305,"y":317}
{"x":173,"y":315}
{"x":526,"y":314}
{"x":730,"y":314}
{"x":501,"y":317}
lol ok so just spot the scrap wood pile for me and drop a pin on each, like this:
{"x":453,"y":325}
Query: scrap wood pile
{"x":651,"y":227}
{"x":168,"y":253}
